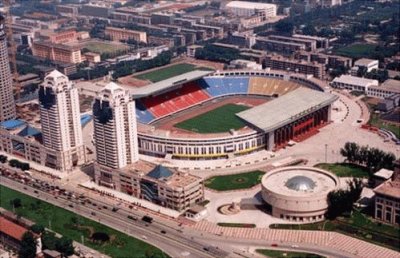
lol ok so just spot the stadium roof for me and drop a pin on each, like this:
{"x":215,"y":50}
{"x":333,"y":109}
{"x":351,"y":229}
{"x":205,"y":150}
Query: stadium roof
{"x":164,"y":85}
{"x":286,"y":109}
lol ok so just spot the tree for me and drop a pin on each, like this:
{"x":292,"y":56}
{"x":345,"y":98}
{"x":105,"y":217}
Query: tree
{"x":284,"y":26}
{"x":49,"y":240}
{"x":16,"y":203}
{"x":28,"y":246}
{"x":341,"y":201}
{"x":37,"y":228}
{"x":309,"y":30}
{"x":64,"y":246}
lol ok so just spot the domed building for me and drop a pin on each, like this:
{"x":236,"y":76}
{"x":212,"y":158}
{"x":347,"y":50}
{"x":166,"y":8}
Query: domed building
{"x":298,"y":193}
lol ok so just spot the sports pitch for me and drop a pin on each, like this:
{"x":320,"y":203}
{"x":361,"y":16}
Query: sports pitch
{"x":167,"y":72}
{"x":219,"y":120}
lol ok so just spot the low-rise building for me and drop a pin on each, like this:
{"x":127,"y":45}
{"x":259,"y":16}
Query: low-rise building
{"x":118,"y":34}
{"x":364,"y":63}
{"x":166,"y":187}
{"x":57,"y":52}
{"x":280,"y":63}
{"x":385,"y":90}
{"x":387,"y":198}
{"x":353,"y":83}
{"x":246,"y":9}
{"x":245,"y":64}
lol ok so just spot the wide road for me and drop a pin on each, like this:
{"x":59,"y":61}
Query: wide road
{"x":177,"y":241}
{"x":173,"y":242}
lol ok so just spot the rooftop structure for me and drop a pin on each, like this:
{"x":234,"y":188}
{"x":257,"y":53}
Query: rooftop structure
{"x":168,"y":84}
{"x":286,"y":108}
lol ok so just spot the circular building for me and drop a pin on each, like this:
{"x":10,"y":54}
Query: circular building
{"x":298,"y":193}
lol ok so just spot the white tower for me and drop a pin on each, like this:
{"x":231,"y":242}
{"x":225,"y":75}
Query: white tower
{"x":115,"y":129}
{"x":7,"y":104}
{"x":60,"y":120}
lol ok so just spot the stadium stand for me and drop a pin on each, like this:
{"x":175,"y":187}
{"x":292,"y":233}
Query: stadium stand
{"x":142,"y":114}
{"x":219,"y":86}
{"x":195,"y":92}
{"x":190,"y":94}
{"x":270,"y":87}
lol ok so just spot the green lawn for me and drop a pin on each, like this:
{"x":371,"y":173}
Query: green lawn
{"x":42,"y":212}
{"x":357,"y":225}
{"x":167,"y":72}
{"x":377,"y":122}
{"x":219,"y":120}
{"x":236,"y":225}
{"x":344,"y":169}
{"x":282,"y":254}
{"x":356,"y":50}
{"x":232,"y":182}
{"x":103,"y":48}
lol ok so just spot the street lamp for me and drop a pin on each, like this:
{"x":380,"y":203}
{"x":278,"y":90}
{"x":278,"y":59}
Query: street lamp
{"x":326,"y":153}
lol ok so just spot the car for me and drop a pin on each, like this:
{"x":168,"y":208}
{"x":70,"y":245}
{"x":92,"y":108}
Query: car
{"x":105,"y":207}
{"x":94,"y":204}
{"x":93,"y":213}
{"x":25,"y":188}
{"x":36,"y":192}
{"x":295,"y":246}
{"x":114,"y":209}
{"x":147,"y":219}
{"x":163,"y":232}
{"x":144,"y":237}
{"x":70,"y":205}
{"x":131,"y":217}
{"x":274,"y":245}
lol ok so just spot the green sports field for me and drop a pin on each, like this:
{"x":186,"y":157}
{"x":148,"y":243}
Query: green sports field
{"x":167,"y":72}
{"x":219,"y":120}
{"x":104,"y":47}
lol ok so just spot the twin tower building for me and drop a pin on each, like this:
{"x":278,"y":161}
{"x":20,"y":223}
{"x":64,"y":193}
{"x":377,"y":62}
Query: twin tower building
{"x":114,"y":119}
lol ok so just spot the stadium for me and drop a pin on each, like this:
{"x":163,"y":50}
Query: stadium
{"x":218,"y":115}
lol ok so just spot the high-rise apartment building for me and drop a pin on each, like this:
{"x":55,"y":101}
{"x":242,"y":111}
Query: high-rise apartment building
{"x":60,"y":120}
{"x":115,"y":130}
{"x":7,"y":104}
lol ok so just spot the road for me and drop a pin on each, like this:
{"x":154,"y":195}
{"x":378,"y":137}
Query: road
{"x":174,"y":243}
{"x":177,"y":241}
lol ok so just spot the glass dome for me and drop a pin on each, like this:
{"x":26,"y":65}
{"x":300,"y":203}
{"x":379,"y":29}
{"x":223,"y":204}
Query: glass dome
{"x":300,"y":183}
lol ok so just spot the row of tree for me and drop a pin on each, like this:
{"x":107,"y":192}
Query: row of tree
{"x":219,"y":54}
{"x":372,"y":158}
{"x":18,"y":164}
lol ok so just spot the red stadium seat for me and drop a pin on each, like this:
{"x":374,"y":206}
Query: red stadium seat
{"x":190,"y":94}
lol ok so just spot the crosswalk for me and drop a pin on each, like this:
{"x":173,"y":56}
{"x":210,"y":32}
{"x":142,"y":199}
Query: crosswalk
{"x":329,"y":239}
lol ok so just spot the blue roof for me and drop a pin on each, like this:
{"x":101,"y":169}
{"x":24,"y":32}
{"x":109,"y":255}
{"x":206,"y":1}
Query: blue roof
{"x":85,"y":119}
{"x":12,"y":124}
{"x":29,"y":131}
{"x":160,"y":172}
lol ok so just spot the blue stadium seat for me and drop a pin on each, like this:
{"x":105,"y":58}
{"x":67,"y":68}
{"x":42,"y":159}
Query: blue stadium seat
{"x":142,"y":114}
{"x":218,"y":86}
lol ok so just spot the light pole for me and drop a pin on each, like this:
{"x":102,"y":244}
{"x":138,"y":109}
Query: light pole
{"x":326,"y":153}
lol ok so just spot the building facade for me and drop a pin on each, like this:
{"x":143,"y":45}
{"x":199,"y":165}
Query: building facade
{"x":57,"y":52}
{"x":298,"y":66}
{"x":7,"y":104}
{"x":60,"y":120}
{"x":115,"y":130}
{"x":387,"y":198}
{"x":118,"y":34}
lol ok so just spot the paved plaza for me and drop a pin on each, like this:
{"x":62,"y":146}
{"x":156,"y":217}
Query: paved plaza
{"x":331,"y":240}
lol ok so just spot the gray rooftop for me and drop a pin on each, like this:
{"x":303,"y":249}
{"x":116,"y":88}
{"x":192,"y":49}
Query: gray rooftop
{"x":286,"y":109}
{"x":168,"y":83}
